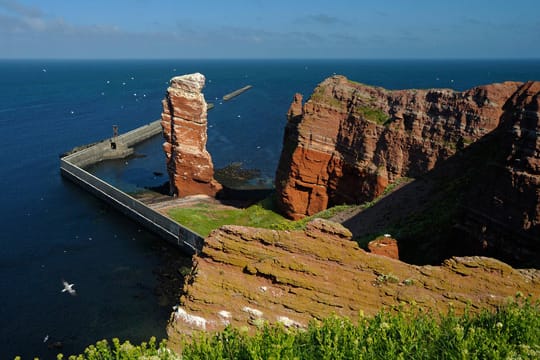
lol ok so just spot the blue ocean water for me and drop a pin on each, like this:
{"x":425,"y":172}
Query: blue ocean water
{"x":52,"y":230}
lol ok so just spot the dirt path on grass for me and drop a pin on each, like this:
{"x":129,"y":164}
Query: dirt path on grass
{"x":163,"y":203}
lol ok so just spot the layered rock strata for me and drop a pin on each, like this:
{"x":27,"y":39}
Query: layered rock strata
{"x":502,"y":206}
{"x":247,"y":276}
{"x":349,"y":141}
{"x":184,"y":124}
{"x":483,"y":201}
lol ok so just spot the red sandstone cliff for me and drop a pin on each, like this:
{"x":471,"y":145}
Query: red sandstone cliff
{"x":247,"y":276}
{"x":349,"y":141}
{"x":477,"y":154}
{"x":184,"y":125}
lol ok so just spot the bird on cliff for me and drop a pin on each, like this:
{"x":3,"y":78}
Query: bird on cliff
{"x":69,"y":288}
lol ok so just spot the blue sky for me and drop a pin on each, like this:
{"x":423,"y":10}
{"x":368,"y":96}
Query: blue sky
{"x":269,"y":29}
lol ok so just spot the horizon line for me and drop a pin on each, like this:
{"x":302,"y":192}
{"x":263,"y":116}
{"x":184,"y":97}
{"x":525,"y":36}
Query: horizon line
{"x":270,"y":59}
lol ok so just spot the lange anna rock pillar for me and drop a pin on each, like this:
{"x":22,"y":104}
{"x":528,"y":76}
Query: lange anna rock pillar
{"x":184,"y":124}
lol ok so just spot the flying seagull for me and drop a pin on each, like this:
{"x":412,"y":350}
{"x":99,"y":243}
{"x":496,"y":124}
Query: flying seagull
{"x":69,"y":288}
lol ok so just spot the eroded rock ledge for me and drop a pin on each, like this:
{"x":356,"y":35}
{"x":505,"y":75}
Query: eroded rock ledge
{"x":245,"y":276}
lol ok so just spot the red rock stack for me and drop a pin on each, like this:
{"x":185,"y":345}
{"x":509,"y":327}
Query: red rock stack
{"x":184,"y":124}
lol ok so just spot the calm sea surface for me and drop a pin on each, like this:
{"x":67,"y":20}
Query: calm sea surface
{"x":52,"y":230}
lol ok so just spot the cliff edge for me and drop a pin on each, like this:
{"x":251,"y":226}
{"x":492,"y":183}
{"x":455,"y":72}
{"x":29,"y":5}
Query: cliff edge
{"x":247,"y":276}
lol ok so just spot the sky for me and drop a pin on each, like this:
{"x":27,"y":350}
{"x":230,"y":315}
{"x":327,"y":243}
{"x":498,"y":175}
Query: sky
{"x":219,"y":29}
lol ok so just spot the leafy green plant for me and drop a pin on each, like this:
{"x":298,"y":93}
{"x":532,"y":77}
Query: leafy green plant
{"x":404,"y":332}
{"x":387,"y":278}
{"x":512,"y":331}
{"x":103,"y":350}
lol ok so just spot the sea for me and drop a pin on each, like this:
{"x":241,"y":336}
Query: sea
{"x":51,"y":230}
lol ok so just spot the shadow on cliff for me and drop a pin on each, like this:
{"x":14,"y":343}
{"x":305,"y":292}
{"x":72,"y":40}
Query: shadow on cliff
{"x":462,"y":207}
{"x":171,"y":164}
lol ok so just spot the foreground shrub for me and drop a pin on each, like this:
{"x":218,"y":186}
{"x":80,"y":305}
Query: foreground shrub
{"x":510,"y":332}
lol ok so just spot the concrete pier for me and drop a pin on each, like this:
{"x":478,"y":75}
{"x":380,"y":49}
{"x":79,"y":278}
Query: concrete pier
{"x":235,"y":93}
{"x":71,"y":167}
{"x":114,"y":148}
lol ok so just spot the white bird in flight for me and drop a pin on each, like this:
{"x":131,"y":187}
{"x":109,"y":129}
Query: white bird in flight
{"x":69,"y":288}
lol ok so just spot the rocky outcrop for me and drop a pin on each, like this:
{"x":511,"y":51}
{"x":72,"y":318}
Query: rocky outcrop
{"x":349,"y":141}
{"x":385,"y":246}
{"x":247,"y":276}
{"x":185,"y":130}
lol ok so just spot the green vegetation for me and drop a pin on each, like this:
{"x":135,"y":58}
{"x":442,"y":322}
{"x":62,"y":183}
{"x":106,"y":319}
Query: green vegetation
{"x":203,"y":218}
{"x":387,"y":278}
{"x":356,"y":82}
{"x":319,"y":96}
{"x":510,"y":332}
{"x":373,"y":114}
{"x":300,"y":224}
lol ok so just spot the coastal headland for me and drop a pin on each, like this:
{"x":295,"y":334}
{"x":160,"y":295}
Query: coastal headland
{"x":474,"y":155}
{"x":351,"y":143}
{"x":247,"y":276}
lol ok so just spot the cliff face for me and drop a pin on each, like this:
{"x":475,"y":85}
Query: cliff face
{"x":245,"y":276}
{"x":184,"y":126}
{"x":349,"y":141}
{"x":478,"y":154}
{"x":502,"y":209}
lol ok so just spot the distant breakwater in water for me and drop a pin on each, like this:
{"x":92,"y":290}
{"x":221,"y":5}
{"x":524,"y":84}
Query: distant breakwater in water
{"x":235,"y":93}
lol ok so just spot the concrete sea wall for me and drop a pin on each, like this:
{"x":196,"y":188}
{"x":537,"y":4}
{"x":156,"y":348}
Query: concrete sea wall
{"x":235,"y":93}
{"x":71,"y":167}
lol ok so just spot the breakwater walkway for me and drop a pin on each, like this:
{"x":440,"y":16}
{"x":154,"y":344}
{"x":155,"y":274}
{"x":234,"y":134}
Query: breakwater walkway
{"x":72,"y":167}
{"x":235,"y":93}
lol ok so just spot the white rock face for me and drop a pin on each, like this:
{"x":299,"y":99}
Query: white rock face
{"x":189,"y":83}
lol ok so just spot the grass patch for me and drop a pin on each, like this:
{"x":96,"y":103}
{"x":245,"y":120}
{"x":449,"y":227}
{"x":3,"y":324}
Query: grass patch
{"x":300,"y":224}
{"x":510,"y":332}
{"x":320,"y":97}
{"x":203,"y":218}
{"x":373,"y":114}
